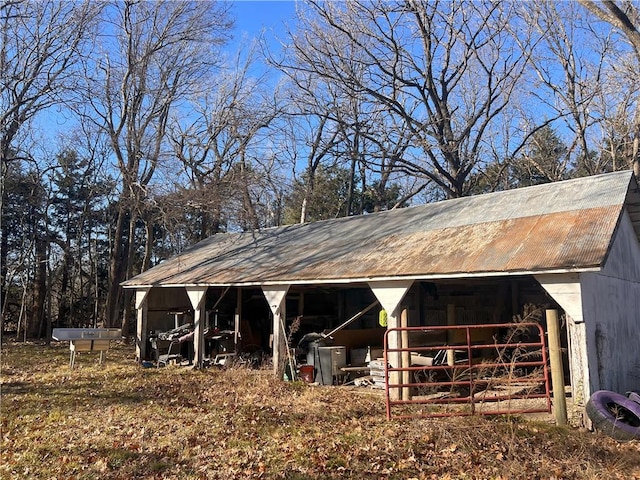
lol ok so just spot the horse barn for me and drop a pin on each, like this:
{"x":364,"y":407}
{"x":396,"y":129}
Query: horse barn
{"x":572,"y":247}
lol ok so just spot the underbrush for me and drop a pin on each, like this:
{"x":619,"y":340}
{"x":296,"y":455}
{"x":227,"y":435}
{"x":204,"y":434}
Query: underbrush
{"x":121,"y":421}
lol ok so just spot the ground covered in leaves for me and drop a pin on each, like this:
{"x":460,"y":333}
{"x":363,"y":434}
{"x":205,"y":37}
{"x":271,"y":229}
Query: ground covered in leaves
{"x":121,"y":421}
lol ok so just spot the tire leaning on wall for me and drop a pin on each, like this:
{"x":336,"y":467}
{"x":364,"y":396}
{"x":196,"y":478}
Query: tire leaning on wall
{"x":614,"y":415}
{"x":635,"y":396}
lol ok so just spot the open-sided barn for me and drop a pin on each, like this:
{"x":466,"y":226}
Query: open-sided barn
{"x":572,"y":246}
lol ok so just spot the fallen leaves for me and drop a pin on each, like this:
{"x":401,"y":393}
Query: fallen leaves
{"x":123,"y":422}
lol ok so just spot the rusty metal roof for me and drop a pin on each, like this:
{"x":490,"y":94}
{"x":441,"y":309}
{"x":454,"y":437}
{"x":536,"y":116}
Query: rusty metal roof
{"x":563,"y":226}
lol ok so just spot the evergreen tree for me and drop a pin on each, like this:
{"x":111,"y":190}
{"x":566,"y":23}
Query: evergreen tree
{"x":545,"y":160}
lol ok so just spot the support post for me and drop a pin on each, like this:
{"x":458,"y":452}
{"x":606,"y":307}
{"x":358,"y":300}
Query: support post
{"x":557,"y":373}
{"x":390,"y":294}
{"x":276,"y":298}
{"x":141,"y":324}
{"x":196,"y":297}
{"x":394,"y":358}
{"x":237,"y":321}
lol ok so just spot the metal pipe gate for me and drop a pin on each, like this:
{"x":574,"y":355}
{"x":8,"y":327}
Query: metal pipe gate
{"x":468,"y":376}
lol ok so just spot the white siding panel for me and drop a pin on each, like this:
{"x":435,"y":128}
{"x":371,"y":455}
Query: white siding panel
{"x":624,"y":258}
{"x":611,"y":305}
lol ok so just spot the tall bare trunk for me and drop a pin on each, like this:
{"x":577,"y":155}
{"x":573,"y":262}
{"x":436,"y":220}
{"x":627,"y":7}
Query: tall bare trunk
{"x":117,"y":267}
{"x":127,"y":294}
{"x":39,"y":289}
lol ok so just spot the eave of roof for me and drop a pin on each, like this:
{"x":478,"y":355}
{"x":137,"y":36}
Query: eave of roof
{"x":565,"y":226}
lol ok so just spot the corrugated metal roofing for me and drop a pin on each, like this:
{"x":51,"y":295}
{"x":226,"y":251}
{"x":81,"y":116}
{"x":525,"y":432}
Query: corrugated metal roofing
{"x":564,"y":226}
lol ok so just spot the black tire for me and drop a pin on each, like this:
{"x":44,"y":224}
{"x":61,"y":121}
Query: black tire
{"x":614,"y":415}
{"x":634,"y":397}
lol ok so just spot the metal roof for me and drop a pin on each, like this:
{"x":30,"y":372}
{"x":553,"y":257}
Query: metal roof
{"x":563,"y":226}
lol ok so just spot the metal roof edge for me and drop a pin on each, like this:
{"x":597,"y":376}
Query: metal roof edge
{"x":345,"y":281}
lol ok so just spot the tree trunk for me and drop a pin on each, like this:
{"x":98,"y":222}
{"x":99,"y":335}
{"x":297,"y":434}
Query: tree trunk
{"x":39,"y":289}
{"x":4,"y":243}
{"x":251,"y":222}
{"x":127,"y":294}
{"x":117,"y":267}
{"x":148,"y":245}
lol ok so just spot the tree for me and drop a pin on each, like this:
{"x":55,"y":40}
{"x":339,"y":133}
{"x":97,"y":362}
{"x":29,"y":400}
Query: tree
{"x":328,"y":199}
{"x":334,"y":126}
{"x":75,"y":222}
{"x":546,"y":159}
{"x":624,"y":17}
{"x":24,"y":220}
{"x":331,"y":194}
{"x":153,"y":54}
{"x":319,"y":136}
{"x":41,"y":46}
{"x":445,"y":71}
{"x":218,"y":145}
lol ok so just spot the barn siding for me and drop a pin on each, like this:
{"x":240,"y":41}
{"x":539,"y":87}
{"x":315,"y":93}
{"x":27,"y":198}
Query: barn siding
{"x":611,"y":311}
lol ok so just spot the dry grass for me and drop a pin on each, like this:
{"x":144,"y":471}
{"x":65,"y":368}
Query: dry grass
{"x":120,"y":421}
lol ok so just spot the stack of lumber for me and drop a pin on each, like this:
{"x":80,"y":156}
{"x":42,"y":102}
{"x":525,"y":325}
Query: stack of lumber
{"x":376,"y":368}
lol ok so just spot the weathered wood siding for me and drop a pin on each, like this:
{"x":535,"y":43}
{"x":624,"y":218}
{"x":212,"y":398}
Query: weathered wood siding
{"x":611,"y":311}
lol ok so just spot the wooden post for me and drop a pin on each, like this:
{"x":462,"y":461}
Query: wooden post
{"x":395,"y":358}
{"x":197,"y":298}
{"x":276,"y":298}
{"x":142,"y":307}
{"x":451,"y":320}
{"x":280,"y":353}
{"x":237,"y":320}
{"x":406,"y":355}
{"x":557,"y":374}
{"x":390,"y":294}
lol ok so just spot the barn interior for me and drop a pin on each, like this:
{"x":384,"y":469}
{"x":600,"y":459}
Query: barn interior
{"x":346,"y":319}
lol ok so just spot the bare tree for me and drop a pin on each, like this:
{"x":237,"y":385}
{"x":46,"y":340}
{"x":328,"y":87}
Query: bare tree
{"x":312,"y":132}
{"x":447,"y":70}
{"x":40,"y":48}
{"x":568,"y":58}
{"x":217,"y":146}
{"x":333,"y":126}
{"x":624,"y":17}
{"x":152,"y":54}
{"x":41,"y":44}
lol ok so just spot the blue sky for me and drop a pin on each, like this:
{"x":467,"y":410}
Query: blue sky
{"x":253,"y":16}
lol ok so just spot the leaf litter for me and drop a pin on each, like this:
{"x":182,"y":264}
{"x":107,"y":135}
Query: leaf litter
{"x":120,"y":421}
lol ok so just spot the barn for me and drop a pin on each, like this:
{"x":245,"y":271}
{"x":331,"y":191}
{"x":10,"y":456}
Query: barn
{"x":573,"y":246}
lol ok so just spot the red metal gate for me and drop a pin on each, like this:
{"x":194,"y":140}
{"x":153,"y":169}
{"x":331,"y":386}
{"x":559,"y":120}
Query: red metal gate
{"x":489,"y":369}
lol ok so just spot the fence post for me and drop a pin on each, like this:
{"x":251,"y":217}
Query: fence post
{"x":557,"y":373}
